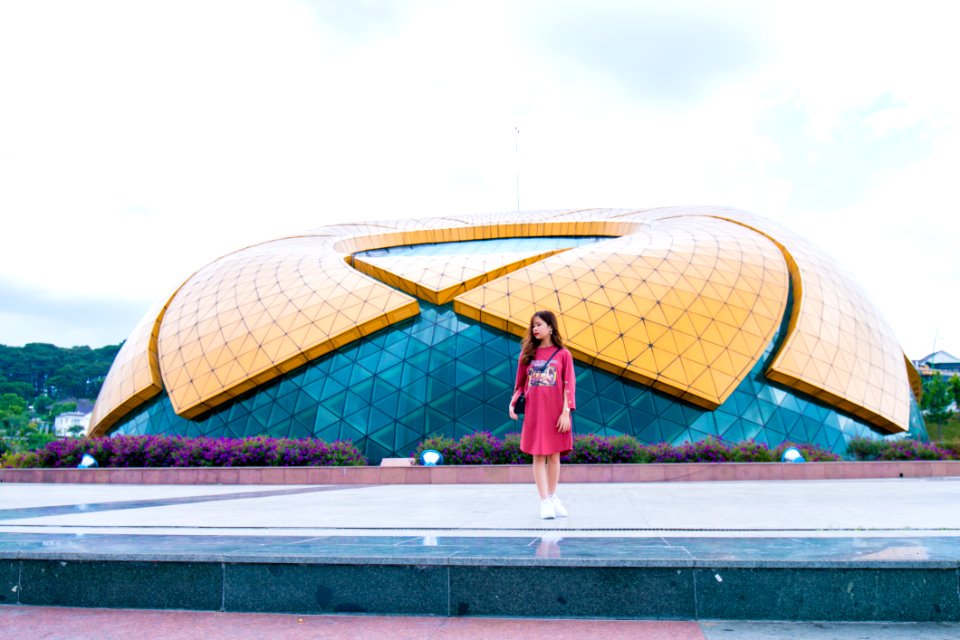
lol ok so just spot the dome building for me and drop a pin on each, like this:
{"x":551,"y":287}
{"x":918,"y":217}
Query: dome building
{"x":685,"y":323}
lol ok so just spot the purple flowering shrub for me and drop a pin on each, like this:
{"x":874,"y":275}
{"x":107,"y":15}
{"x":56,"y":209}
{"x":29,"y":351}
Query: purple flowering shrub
{"x":510,"y":452}
{"x":22,"y":460}
{"x":176,"y":451}
{"x":484,"y":448}
{"x":593,"y":449}
{"x":866,"y":449}
{"x":475,"y":448}
{"x":952,"y":446}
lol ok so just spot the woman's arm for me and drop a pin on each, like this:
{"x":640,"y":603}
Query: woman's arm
{"x":568,"y":381}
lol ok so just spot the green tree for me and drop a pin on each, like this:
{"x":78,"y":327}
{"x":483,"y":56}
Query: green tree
{"x":22,"y":389}
{"x":955,"y":389}
{"x":33,"y":437}
{"x":38,"y":362}
{"x":936,"y":399}
{"x":42,"y":404}
{"x":60,"y":407}
{"x":14,"y":420}
{"x":45,"y":369}
{"x":17,"y":431}
{"x":12,"y":404}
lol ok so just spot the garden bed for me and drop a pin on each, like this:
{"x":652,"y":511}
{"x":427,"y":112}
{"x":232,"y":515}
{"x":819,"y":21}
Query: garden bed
{"x":474,"y":458}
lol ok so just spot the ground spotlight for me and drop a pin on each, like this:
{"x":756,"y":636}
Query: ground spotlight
{"x":792,"y":454}
{"x":431,"y":458}
{"x":87,"y":462}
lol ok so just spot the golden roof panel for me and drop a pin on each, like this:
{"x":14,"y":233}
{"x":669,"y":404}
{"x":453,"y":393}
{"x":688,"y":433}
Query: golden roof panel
{"x":626,"y":305}
{"x":838,"y":347}
{"x":263,"y":311}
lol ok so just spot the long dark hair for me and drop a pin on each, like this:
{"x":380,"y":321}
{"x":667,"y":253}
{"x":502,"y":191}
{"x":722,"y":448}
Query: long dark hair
{"x":528,"y":348}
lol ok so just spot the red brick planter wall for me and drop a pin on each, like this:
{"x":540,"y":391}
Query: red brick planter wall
{"x":499,"y":474}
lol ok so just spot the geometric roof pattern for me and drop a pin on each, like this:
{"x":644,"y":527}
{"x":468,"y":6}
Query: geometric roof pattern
{"x":832,"y":354}
{"x":678,"y":298}
{"x":838,"y":348}
{"x":263,"y":311}
{"x":439,"y":280}
{"x":685,"y":307}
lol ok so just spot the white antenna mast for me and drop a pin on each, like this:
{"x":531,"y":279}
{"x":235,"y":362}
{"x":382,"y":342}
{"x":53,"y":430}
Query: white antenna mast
{"x":516,"y":151}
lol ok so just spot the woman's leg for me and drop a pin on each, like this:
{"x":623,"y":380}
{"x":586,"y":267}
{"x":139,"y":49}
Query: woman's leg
{"x":540,"y":476}
{"x":553,"y":473}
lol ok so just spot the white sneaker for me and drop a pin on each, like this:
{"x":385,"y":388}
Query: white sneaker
{"x":547,"y":511}
{"x":558,"y":507}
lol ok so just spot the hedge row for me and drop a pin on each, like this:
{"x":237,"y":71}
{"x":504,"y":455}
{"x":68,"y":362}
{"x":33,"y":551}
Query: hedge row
{"x":864,"y":449}
{"x":484,"y":448}
{"x":477,"y":448}
{"x":175,"y":451}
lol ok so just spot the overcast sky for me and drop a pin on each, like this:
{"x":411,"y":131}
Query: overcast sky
{"x":141,"y":140}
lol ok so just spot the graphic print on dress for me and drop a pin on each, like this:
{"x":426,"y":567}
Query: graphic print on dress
{"x":547,"y":378}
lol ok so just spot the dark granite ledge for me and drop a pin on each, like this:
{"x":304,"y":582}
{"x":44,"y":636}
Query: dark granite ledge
{"x":877,"y":594}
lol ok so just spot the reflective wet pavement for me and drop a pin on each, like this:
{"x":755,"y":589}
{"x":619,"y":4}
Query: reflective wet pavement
{"x":547,"y":549}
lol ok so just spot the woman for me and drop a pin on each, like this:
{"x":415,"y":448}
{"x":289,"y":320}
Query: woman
{"x":546,"y":378}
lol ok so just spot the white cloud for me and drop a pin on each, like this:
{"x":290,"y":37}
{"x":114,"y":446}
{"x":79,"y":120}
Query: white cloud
{"x":142,"y":140}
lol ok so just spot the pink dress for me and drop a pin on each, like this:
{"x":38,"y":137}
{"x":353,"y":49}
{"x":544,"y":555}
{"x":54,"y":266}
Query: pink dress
{"x":544,"y":401}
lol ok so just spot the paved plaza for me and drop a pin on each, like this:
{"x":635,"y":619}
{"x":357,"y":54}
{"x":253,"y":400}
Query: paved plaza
{"x":714,"y":529}
{"x":812,"y":509}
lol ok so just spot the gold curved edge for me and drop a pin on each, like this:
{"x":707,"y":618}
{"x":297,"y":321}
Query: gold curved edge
{"x":263,"y":311}
{"x":838,"y":348}
{"x":916,"y":382}
{"x":133,"y":377}
{"x":685,"y":308}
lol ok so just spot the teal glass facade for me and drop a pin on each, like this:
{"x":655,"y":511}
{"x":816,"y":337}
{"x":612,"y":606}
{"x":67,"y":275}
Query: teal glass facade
{"x":439,"y":373}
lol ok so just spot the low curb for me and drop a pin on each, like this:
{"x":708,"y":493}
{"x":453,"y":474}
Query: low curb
{"x":491,"y":474}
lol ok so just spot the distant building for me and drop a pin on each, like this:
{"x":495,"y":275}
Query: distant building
{"x":938,"y":362}
{"x":66,"y":421}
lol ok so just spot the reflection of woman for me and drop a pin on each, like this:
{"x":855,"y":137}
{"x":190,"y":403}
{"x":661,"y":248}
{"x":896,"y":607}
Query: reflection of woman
{"x":546,"y":378}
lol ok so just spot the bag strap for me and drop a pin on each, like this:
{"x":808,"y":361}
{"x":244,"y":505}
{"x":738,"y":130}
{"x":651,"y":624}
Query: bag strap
{"x":544,"y":367}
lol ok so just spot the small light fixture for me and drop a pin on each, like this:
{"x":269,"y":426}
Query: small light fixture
{"x":431,"y":458}
{"x":792,"y":454}
{"x":87,"y":462}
